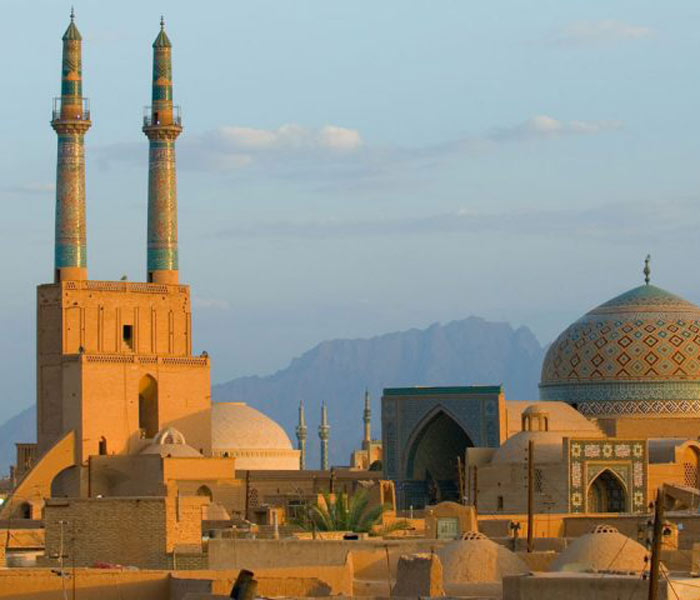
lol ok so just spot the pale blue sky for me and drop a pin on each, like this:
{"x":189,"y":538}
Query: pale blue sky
{"x":352,"y":168}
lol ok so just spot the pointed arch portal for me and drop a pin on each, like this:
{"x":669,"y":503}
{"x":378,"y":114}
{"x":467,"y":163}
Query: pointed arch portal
{"x":607,"y":494}
{"x":148,"y":406}
{"x":432,"y":463}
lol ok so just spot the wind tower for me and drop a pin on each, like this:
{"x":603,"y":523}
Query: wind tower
{"x":324,"y":430}
{"x":301,"y":437}
{"x":70,"y":121}
{"x":162,"y":124}
{"x":367,"y":419}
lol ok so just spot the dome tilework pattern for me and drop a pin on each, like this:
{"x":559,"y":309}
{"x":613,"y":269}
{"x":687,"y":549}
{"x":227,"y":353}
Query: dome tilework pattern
{"x":644,"y":336}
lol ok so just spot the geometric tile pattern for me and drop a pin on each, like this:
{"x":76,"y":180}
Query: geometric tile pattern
{"x":640,"y":407}
{"x":625,"y":458}
{"x":646,"y":335}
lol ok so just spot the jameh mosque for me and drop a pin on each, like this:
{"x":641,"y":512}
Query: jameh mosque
{"x":134,"y":465}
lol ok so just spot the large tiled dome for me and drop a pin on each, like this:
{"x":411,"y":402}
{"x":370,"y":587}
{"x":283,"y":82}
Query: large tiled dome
{"x":637,"y":353}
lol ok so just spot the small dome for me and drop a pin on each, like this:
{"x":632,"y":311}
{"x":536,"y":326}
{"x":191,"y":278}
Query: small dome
{"x":235,"y":425}
{"x":539,"y":408}
{"x":548,"y":447}
{"x":642,"y":346}
{"x":604,"y":550}
{"x":169,"y":442}
{"x":478,"y":560}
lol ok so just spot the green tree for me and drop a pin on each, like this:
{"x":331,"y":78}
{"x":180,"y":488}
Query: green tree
{"x":344,"y":513}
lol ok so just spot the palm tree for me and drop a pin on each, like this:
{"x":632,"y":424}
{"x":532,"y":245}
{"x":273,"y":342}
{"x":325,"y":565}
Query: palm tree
{"x":344,"y":513}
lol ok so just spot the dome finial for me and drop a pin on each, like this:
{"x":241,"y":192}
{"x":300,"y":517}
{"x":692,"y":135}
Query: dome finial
{"x":162,"y":23}
{"x":72,"y":14}
{"x":647,"y":269}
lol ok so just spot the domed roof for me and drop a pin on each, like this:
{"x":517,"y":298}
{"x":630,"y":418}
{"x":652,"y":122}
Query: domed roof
{"x":603,"y":550}
{"x":169,"y":442}
{"x":641,"y":347}
{"x":235,"y":425}
{"x":478,"y":561}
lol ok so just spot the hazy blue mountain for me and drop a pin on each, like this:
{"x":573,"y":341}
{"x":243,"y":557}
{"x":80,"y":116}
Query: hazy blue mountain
{"x":20,"y":428}
{"x":467,"y":352}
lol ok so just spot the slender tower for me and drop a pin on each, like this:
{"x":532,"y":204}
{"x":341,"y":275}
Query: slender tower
{"x":162,"y":125}
{"x":324,"y":430}
{"x":71,"y":120}
{"x":301,"y":437}
{"x":367,"y":420}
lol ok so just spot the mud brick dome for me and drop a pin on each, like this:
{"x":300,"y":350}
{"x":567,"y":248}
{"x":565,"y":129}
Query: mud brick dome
{"x":638,"y":353}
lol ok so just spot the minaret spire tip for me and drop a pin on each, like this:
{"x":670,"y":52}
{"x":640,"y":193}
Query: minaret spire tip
{"x":647,"y":269}
{"x":72,"y":14}
{"x":162,"y":23}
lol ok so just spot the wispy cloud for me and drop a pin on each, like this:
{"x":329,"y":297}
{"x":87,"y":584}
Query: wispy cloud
{"x":543,"y":126}
{"x":618,"y":223}
{"x":602,"y":31}
{"x":336,"y":155}
{"x":213,"y":303}
{"x":32,"y":187}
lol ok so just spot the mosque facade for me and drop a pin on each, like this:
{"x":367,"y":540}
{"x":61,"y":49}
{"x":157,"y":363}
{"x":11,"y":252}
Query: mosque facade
{"x":618,"y":416}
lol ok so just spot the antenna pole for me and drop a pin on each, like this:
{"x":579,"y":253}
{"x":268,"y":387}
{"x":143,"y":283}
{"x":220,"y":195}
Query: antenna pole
{"x":530,"y":494}
{"x":656,"y":545}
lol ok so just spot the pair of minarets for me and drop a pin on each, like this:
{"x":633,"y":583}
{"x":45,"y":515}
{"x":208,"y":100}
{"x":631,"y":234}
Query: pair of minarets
{"x":162,"y":125}
{"x":324,"y":430}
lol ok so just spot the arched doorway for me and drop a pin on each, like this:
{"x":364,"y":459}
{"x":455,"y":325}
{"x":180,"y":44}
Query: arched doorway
{"x":204,"y":490}
{"x":148,"y":406}
{"x":23,"y":511}
{"x":607,"y":494}
{"x":432,"y":467}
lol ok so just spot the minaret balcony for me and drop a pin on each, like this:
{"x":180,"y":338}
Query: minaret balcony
{"x":152,"y":117}
{"x":71,"y":108}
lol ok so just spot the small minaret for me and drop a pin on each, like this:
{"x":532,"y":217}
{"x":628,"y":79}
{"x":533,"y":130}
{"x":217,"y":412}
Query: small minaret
{"x":324,"y":430}
{"x":301,"y":437}
{"x":71,"y":120}
{"x":367,"y":420}
{"x":162,"y":125}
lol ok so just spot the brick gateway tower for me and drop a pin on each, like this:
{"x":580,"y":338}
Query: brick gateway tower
{"x":114,"y":358}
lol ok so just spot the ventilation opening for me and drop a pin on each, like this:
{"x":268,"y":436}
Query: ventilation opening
{"x":128,"y":335}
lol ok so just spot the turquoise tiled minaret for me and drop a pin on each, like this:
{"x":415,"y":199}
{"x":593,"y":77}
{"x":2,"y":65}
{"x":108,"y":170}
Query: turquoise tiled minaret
{"x":71,"y":120}
{"x":301,"y":437}
{"x":324,"y":430}
{"x":162,"y":125}
{"x":367,"y":421}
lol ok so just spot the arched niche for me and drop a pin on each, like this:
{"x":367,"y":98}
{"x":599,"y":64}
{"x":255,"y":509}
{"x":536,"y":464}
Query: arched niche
{"x":204,"y":490}
{"x":148,"y":406}
{"x":66,"y":483}
{"x":689,"y":459}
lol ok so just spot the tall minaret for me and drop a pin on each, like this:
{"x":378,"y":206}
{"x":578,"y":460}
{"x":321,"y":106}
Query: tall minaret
{"x":162,"y":125}
{"x":71,"y":120}
{"x":324,"y":430}
{"x":367,"y":419}
{"x":301,"y":437}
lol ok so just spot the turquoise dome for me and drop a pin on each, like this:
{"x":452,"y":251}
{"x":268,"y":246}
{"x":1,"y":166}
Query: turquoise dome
{"x":638,"y":353}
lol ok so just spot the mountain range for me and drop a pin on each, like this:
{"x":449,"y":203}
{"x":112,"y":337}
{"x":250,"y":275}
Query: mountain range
{"x":471,"y":351}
